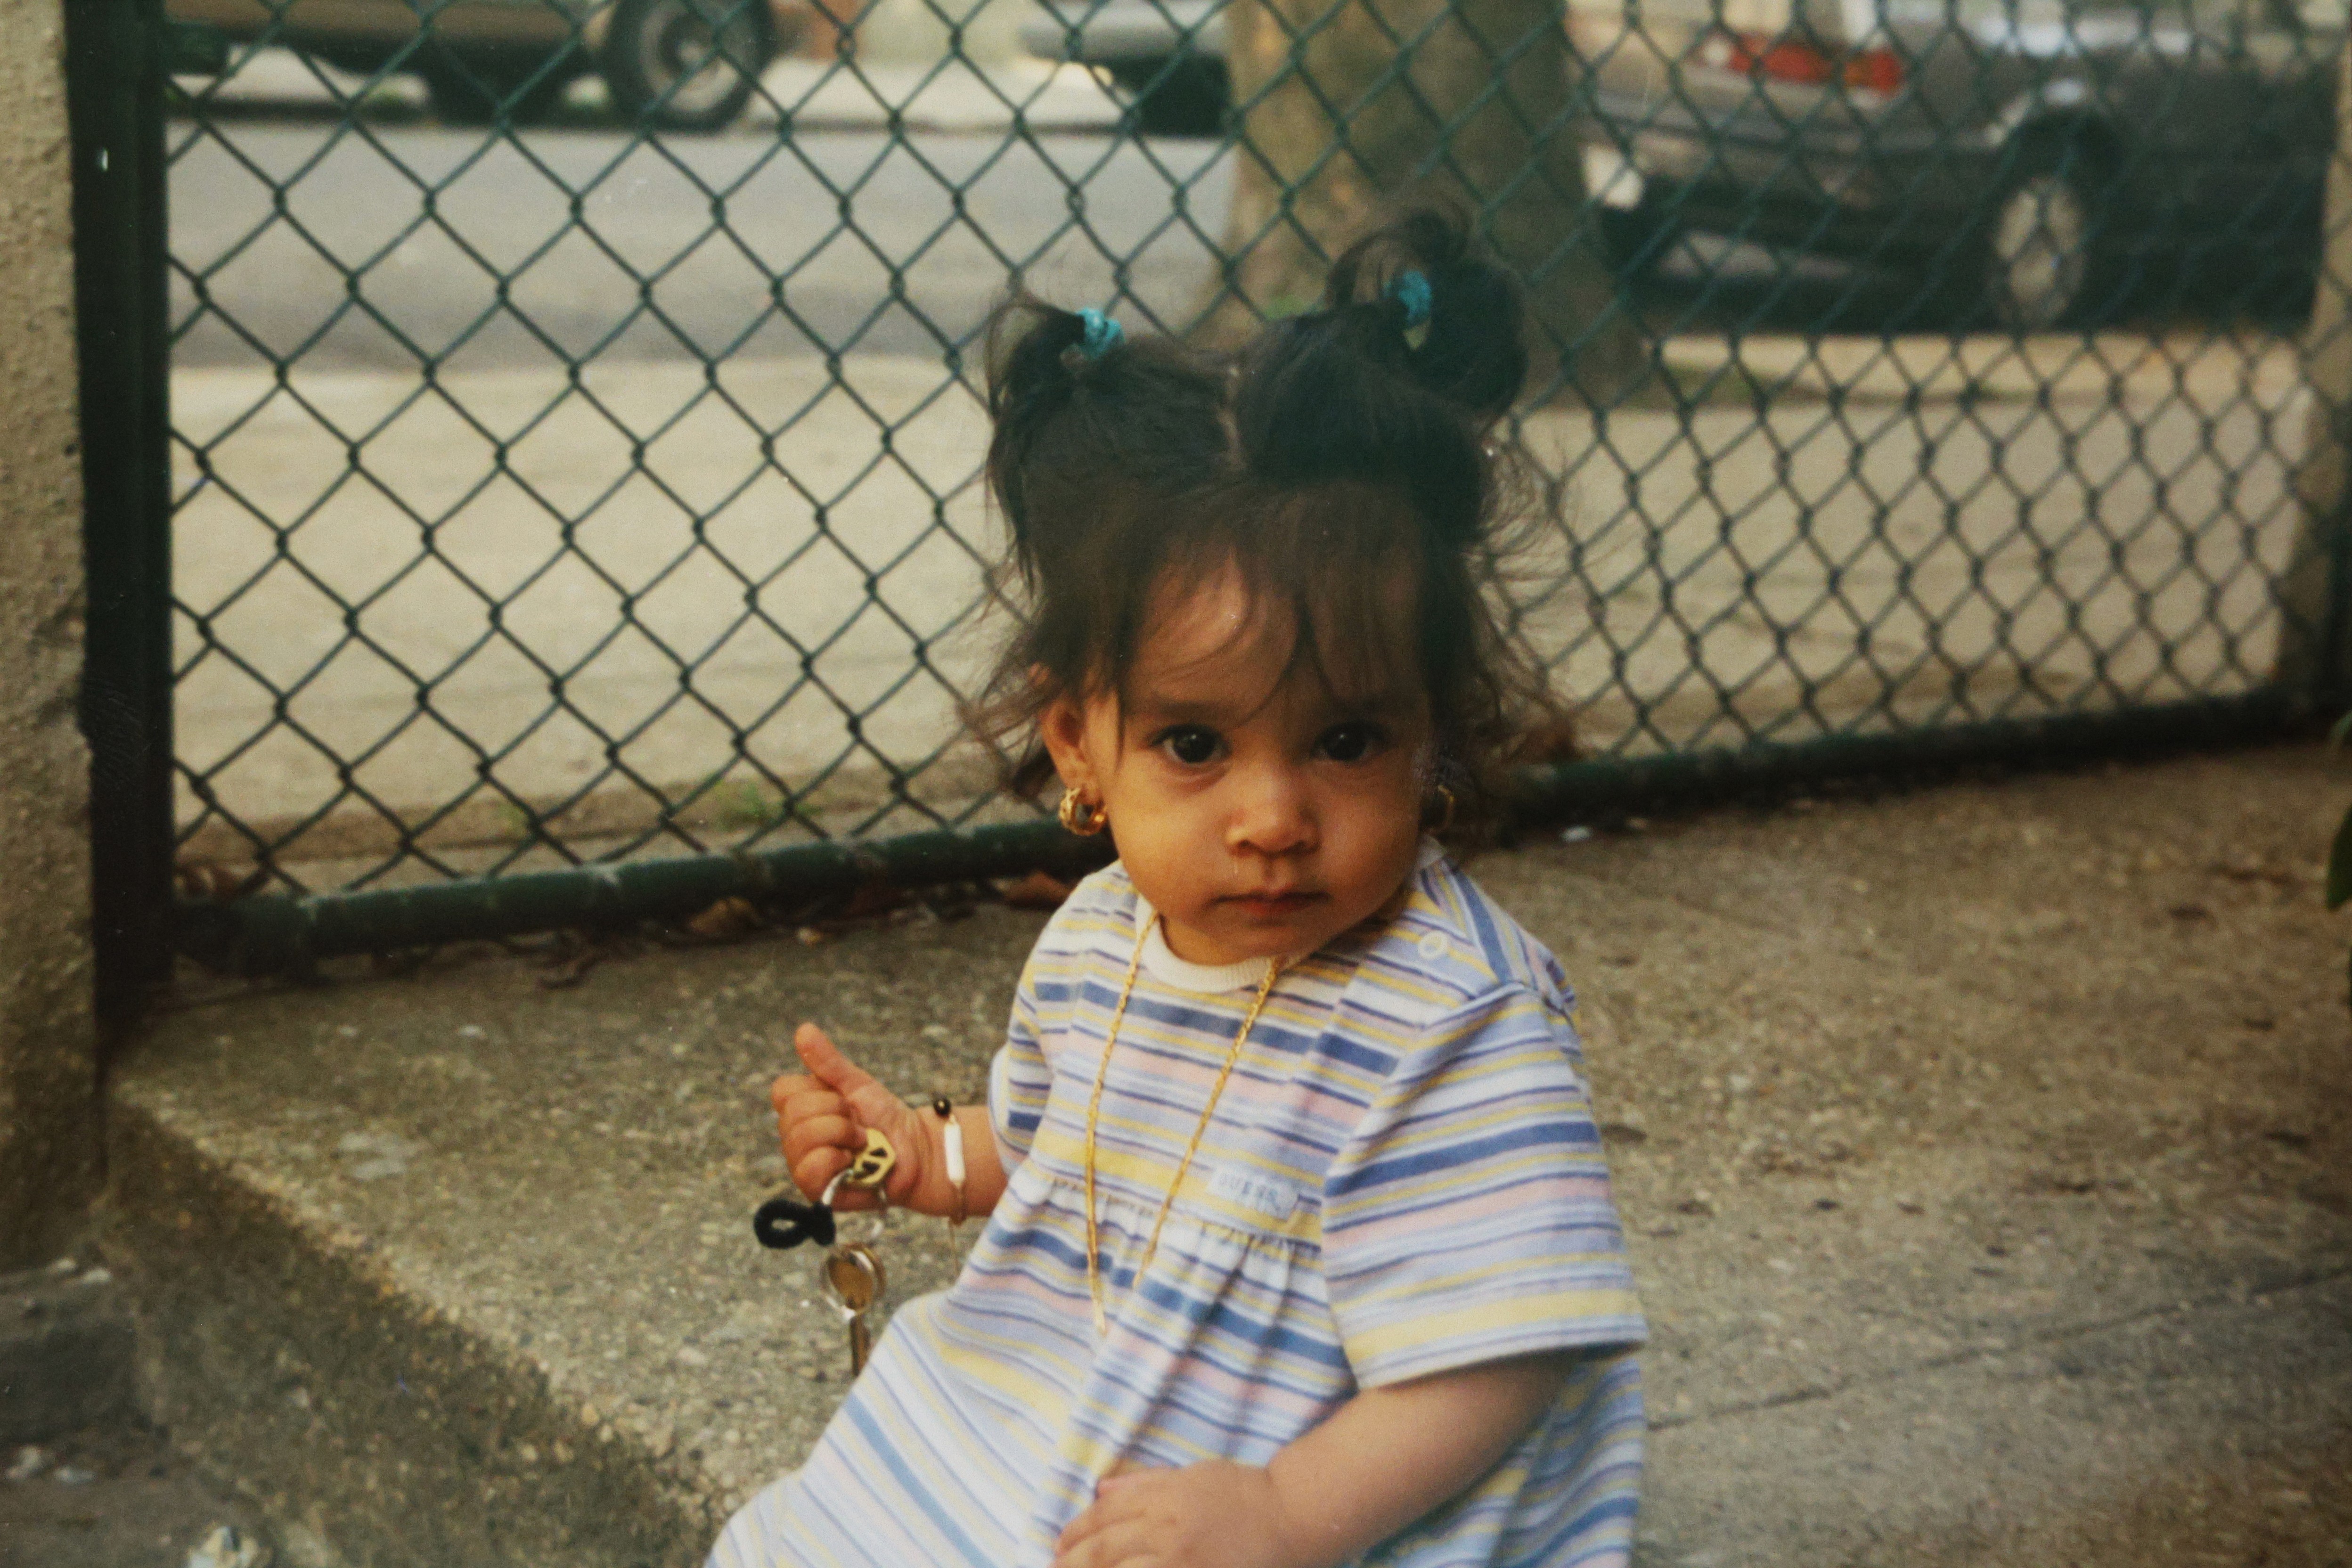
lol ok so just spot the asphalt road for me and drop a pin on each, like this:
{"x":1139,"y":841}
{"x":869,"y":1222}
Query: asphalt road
{"x":395,"y":241}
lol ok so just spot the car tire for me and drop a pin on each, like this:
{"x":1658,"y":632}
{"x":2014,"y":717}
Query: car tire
{"x":2045,"y":255}
{"x":685,"y":65}
{"x":1637,"y":241}
{"x":1189,"y":96}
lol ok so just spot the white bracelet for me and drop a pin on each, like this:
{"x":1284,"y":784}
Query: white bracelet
{"x":945,"y":1109}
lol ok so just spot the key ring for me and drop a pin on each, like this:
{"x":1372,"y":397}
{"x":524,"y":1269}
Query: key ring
{"x":881,"y":1202}
{"x":784,"y":1222}
{"x":868,"y":1171}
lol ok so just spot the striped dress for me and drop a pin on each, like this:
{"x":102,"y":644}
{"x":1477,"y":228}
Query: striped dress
{"x":1403,"y":1177}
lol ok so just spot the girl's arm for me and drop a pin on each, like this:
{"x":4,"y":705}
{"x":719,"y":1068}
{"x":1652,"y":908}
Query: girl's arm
{"x":984,"y":1182}
{"x":1382,"y":1461}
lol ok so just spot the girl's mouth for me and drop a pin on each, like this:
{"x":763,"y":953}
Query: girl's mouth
{"x":1271,"y":906}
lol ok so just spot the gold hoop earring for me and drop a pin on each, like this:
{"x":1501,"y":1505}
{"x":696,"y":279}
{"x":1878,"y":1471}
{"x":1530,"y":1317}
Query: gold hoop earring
{"x":1445,"y":803}
{"x":1080,"y":815}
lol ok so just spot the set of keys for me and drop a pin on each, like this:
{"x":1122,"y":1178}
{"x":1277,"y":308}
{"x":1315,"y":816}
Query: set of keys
{"x":851,"y":1275}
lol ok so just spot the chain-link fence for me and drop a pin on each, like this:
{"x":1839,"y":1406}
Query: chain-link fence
{"x":576,"y":423}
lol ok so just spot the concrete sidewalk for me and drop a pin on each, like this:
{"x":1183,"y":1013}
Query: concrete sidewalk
{"x":945,"y":95}
{"x":1984,"y":1153}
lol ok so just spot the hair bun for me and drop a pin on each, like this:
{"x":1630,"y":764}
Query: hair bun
{"x":1417,"y":350}
{"x":1473,"y":353}
{"x":1076,"y":405}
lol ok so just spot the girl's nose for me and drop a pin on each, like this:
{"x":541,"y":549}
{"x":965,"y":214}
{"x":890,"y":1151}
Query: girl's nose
{"x":1272,"y":815}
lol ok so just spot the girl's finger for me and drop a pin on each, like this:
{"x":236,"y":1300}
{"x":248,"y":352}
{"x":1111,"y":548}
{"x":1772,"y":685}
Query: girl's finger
{"x":787,"y":1084}
{"x":1092,"y":1521}
{"x":1123,"y":1542}
{"x":824,"y":1058}
{"x":808,"y":1134}
{"x":814,"y":1170}
{"x":810,"y":1099}
{"x":1075,"y":1533}
{"x":810,"y":1107}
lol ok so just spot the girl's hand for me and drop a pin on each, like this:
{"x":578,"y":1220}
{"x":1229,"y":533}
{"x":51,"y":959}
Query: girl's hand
{"x":1212,"y":1515}
{"x":822,"y":1117}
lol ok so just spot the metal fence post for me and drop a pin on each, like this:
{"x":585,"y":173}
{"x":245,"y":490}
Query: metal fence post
{"x":115,"y":82}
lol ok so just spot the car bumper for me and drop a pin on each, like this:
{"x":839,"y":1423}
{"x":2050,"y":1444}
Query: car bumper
{"x":1847,"y":194}
{"x":1122,"y":30}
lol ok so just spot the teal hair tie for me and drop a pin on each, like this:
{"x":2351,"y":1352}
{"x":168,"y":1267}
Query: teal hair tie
{"x":1102,"y":335}
{"x":1411,"y":289}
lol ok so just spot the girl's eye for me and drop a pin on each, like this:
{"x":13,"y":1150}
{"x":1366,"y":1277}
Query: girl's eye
{"x":1190,"y":744}
{"x":1354,"y":741}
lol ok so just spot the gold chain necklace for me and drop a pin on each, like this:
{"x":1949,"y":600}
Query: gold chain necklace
{"x":1094,"y":1108}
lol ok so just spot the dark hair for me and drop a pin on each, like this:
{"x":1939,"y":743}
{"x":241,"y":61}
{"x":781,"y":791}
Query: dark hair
{"x":1342,"y":452}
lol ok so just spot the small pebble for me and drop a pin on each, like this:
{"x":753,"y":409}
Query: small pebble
{"x":73,"y":1476}
{"x":30,"y":1462}
{"x":225,"y":1546}
{"x":1575,"y":835}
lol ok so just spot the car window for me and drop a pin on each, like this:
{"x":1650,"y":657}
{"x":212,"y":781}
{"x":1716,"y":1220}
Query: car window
{"x":2206,"y":14}
{"x":1976,"y":12}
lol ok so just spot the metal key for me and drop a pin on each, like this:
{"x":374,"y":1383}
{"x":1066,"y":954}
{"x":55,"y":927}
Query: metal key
{"x":853,"y":1278}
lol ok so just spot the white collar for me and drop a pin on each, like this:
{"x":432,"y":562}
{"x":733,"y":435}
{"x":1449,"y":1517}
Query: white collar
{"x":1165,"y":965}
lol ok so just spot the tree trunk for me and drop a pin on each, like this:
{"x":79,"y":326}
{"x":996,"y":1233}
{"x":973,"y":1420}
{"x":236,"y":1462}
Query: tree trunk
{"x":2313,"y":656}
{"x":1353,"y":108}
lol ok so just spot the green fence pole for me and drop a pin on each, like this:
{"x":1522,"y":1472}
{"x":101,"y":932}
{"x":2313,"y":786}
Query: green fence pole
{"x":114,"y":83}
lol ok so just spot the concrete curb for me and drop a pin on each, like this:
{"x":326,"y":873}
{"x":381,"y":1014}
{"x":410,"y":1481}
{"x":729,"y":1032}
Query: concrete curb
{"x":295,"y":1364}
{"x":65,"y":1352}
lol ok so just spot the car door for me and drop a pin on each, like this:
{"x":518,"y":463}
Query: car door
{"x":2227,"y":108}
{"x":2293,"y":53}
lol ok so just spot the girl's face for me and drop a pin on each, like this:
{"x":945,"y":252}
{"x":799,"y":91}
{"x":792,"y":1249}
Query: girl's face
{"x":1259,"y":813}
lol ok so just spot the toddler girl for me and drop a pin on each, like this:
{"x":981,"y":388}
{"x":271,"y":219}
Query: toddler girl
{"x":1299,"y":1249}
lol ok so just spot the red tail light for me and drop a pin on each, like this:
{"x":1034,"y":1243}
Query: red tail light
{"x":1874,"y":70}
{"x":1780,"y":57}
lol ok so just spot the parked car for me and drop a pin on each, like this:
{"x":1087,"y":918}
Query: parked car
{"x":1167,"y":57}
{"x":680,"y":63}
{"x":2032,"y":161}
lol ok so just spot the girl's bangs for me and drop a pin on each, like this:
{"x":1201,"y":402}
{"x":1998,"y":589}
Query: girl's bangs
{"x":1332,"y":571}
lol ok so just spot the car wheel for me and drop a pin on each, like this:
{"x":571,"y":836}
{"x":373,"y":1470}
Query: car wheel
{"x":685,"y":65}
{"x":1190,"y":96}
{"x":2045,"y":245}
{"x":1637,"y":241}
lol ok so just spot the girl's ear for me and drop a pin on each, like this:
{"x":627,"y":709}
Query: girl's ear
{"x":1063,"y":727}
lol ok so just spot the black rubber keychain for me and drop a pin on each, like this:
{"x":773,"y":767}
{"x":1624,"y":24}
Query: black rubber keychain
{"x":851,"y":1275}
